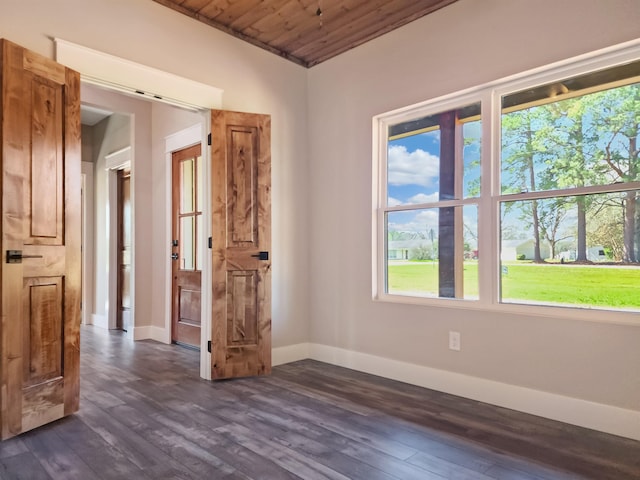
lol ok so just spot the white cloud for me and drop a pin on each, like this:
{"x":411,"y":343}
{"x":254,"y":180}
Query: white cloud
{"x":393,"y":202}
{"x":428,"y":217}
{"x":412,"y":168}
{"x":424,"y":198}
{"x":422,"y":222}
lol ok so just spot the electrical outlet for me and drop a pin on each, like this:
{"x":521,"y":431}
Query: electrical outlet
{"x":454,"y":341}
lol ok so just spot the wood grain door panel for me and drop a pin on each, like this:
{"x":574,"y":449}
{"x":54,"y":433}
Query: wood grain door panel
{"x":188,"y":324}
{"x":242,"y":178}
{"x":42,"y":312}
{"x":40,"y":329}
{"x":241,"y":229}
{"x":243,"y":295}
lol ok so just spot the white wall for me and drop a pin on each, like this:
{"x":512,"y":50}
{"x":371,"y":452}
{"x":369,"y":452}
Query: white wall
{"x":463,"y":45}
{"x":253,"y":80}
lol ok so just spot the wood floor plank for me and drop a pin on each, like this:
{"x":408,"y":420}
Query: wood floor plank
{"x":57,"y":459}
{"x":145,"y":413}
{"x":108,"y":461}
{"x":11,"y":447}
{"x":303,"y":466}
{"x":444,"y":468}
{"x":137,"y":449}
{"x":23,"y":466}
{"x":199,"y":460}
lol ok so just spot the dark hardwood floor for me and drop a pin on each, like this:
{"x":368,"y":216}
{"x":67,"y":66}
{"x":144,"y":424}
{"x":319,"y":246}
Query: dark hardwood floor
{"x":145,"y":414}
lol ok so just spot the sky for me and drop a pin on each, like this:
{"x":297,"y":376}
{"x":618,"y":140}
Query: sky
{"x":413,"y":177}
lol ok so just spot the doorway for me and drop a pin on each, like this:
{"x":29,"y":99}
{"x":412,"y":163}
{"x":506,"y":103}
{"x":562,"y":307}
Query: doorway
{"x":123,"y":314}
{"x":187,"y":261}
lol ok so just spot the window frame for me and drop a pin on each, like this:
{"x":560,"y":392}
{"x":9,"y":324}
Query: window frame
{"x":489,"y":96}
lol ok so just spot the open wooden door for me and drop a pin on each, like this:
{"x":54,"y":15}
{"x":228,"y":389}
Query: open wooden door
{"x":40,"y":230}
{"x":241,"y":243}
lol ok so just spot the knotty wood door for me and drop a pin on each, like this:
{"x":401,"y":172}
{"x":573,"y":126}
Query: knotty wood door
{"x":187,"y":254}
{"x":123,"y":315}
{"x":40,"y":330}
{"x":241,"y":235}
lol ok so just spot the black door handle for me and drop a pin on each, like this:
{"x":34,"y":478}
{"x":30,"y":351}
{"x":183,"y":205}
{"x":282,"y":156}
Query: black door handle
{"x":261,"y":256}
{"x":15,"y":256}
{"x":174,"y":256}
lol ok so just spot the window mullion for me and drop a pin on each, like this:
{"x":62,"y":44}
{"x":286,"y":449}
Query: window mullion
{"x":570,"y":192}
{"x":380,"y":196}
{"x":488,"y":227}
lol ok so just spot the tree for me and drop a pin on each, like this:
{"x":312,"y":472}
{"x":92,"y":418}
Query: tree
{"x":607,"y":225}
{"x":552,"y":214}
{"x":574,"y":143}
{"x":521,"y":146}
{"x":617,"y":121}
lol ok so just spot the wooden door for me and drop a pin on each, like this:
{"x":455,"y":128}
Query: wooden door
{"x":123,"y":316}
{"x":241,"y":243}
{"x":187,"y":253}
{"x":40,"y":329}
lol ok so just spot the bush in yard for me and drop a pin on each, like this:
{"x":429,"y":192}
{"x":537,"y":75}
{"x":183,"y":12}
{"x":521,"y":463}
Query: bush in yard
{"x":421,"y":252}
{"x":521,"y":256}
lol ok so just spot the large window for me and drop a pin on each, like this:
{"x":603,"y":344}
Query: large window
{"x":431,"y":214}
{"x":545,"y":212}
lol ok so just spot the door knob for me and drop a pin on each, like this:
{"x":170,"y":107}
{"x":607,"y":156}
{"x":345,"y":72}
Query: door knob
{"x":261,"y":256}
{"x":174,"y":256}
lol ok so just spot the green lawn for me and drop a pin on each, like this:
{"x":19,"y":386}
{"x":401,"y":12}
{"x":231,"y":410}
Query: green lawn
{"x":422,"y":278}
{"x":548,"y":284}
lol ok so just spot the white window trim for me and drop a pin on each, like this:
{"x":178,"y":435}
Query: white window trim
{"x":489,"y":95}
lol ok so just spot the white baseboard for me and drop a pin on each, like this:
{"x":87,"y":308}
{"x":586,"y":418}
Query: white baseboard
{"x":99,"y":321}
{"x":596,"y":416}
{"x":150,"y":332}
{"x":290,"y":353}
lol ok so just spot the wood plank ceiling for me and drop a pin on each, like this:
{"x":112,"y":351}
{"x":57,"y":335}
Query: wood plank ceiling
{"x":306,"y":32}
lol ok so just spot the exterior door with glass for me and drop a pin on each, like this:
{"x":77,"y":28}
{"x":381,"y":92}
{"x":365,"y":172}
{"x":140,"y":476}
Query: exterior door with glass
{"x":186,"y":251}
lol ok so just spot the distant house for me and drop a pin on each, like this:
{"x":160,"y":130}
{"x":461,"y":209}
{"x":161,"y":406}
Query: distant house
{"x":594,"y":254}
{"x":401,"y":249}
{"x":511,"y":249}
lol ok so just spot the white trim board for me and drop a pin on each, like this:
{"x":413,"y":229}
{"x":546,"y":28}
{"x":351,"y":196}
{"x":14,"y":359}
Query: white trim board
{"x":290,"y":353}
{"x":99,"y":321}
{"x":596,"y":416}
{"x":123,"y":75}
{"x":149,"y":332}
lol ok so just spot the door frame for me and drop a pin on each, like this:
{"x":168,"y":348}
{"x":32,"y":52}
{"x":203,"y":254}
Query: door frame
{"x":116,"y":161}
{"x":124,"y":76}
{"x":178,"y":141}
{"x":87,"y":241}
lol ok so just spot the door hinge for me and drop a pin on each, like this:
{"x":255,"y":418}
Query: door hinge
{"x":209,"y":346}
{"x":209,"y":139}
{"x":210,"y":242}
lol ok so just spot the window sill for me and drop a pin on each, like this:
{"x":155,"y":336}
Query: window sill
{"x":611,"y":317}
